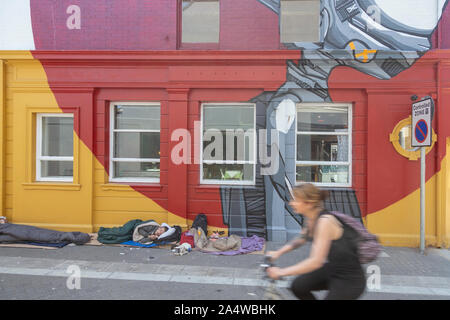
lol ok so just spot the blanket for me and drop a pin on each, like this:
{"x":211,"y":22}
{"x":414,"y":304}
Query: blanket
{"x":116,"y":235}
{"x":248,"y":245}
{"x":143,"y":245}
{"x":232,"y":245}
{"x":17,"y":233}
{"x":201,"y":242}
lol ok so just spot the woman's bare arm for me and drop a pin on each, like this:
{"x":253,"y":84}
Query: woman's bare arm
{"x":293,"y":244}
{"x":323,"y":235}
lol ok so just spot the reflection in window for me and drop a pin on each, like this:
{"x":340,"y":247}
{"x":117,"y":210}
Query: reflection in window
{"x":54,"y":147}
{"x":299,"y":20}
{"x":200,"y":21}
{"x":135,"y":142}
{"x":228,"y":154}
{"x":323,"y":144}
{"x":404,"y":138}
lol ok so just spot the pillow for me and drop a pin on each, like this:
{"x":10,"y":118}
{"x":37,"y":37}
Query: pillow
{"x":169,"y":232}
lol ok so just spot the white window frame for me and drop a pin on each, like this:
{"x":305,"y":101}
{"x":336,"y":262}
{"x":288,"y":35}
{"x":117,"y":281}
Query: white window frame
{"x":40,"y":157}
{"x":254,"y":162}
{"x":349,"y":133}
{"x":112,"y":130}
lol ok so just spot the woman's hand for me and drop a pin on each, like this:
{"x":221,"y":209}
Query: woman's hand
{"x":274,"y":255}
{"x":274,"y":273}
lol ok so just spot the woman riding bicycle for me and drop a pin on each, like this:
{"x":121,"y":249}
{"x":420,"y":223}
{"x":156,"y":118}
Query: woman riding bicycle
{"x":333,"y":263}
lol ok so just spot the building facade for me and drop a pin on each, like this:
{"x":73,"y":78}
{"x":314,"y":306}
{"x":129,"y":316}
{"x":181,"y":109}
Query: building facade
{"x":118,"y":110}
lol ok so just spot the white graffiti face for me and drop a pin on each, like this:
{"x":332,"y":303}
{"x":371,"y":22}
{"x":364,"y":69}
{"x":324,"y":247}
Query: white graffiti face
{"x":285,"y":115}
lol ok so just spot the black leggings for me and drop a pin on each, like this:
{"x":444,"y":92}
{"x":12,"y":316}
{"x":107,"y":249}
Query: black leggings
{"x":338,"y":289}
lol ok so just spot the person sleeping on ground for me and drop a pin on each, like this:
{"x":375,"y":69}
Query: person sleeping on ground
{"x":151,"y":231}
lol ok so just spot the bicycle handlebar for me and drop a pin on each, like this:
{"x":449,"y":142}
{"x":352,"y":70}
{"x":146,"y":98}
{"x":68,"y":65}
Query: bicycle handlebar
{"x":267,"y":262}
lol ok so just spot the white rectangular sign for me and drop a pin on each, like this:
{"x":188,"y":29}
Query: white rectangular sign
{"x":421,"y":123}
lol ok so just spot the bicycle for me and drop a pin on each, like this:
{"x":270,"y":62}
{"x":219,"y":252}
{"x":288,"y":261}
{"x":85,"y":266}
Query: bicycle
{"x":271,"y":292}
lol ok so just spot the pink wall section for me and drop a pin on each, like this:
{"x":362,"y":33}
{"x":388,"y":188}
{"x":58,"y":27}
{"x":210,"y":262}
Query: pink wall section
{"x":146,"y":25}
{"x":445,"y":29}
{"x":248,"y":24}
{"x":106,"y":25}
{"x":153,"y":25}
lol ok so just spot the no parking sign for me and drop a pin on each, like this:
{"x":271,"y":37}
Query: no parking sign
{"x":421,"y":123}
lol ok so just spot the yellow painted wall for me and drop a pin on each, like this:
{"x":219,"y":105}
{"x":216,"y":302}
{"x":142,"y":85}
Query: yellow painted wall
{"x":399,"y":224}
{"x":91,"y":202}
{"x":84,"y":205}
{"x":445,"y":211}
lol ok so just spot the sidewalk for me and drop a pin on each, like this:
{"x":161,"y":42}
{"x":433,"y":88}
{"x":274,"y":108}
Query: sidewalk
{"x":405,"y":273}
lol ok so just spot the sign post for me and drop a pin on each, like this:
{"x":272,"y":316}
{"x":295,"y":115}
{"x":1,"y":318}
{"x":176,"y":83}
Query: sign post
{"x":422,"y":132}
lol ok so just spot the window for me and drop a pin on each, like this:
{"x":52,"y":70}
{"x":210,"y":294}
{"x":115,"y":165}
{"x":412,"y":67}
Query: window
{"x":135,"y":142}
{"x":200,"y":21}
{"x":299,"y":21}
{"x":324,"y":146}
{"x":54,"y":147}
{"x":228,"y":144}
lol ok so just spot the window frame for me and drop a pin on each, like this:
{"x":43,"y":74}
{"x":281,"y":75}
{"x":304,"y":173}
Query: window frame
{"x":40,"y":157}
{"x":112,"y":130}
{"x":349,"y":134}
{"x":254,"y":162}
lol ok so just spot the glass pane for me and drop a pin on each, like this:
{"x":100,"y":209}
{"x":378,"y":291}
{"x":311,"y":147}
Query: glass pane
{"x":136,"y":117}
{"x":228,"y":117}
{"x":299,"y":21}
{"x":200,"y":21}
{"x":324,"y":174}
{"x":57,"y":136}
{"x":141,"y":145}
{"x":322,"y":148}
{"x":228,"y":172}
{"x":331,"y":119}
{"x":237,"y":145}
{"x":136,"y":169}
{"x":56,"y":168}
{"x":404,"y":138}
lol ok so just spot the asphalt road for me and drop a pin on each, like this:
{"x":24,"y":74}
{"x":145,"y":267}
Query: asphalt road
{"x":120,"y":273}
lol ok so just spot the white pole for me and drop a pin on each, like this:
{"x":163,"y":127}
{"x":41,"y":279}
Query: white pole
{"x":422,"y":200}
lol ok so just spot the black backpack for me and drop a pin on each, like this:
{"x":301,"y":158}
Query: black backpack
{"x":200,"y":221}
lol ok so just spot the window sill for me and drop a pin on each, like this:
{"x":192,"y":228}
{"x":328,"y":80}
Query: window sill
{"x":51,"y":186}
{"x":327,"y":185}
{"x":129,"y":187}
{"x":213,"y":188}
{"x":199,"y":46}
{"x":207,"y":189}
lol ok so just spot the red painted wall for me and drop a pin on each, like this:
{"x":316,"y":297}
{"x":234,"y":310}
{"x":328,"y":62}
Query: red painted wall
{"x":381,"y":176}
{"x":180,"y":88}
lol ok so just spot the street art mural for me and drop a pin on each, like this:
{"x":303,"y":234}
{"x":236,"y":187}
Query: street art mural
{"x":374,"y":38}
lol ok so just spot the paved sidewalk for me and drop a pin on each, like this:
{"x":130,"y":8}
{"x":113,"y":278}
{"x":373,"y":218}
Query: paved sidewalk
{"x":404,"y":273}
